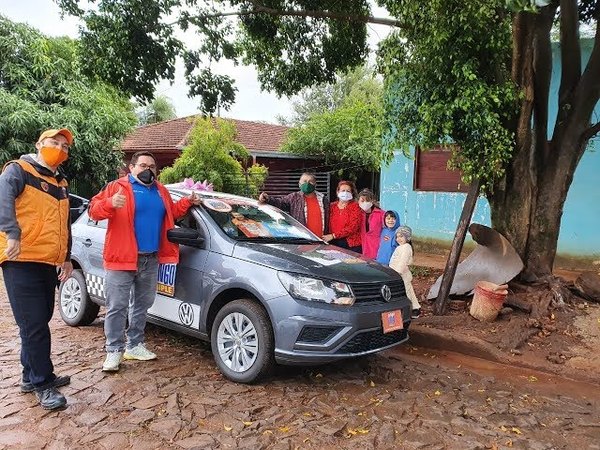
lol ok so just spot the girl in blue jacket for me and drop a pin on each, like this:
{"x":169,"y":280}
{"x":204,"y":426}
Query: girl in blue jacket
{"x":387,"y":241}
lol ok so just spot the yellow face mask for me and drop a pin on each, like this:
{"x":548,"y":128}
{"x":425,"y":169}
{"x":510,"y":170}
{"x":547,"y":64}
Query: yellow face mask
{"x":53,"y":156}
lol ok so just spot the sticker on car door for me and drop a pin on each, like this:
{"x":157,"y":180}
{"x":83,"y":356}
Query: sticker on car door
{"x":176,"y":311}
{"x":166,"y":279}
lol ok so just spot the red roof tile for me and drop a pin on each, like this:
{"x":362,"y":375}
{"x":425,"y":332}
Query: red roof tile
{"x":172,"y":134}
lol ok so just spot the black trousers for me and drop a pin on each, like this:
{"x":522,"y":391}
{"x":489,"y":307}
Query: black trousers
{"x":31,"y":288}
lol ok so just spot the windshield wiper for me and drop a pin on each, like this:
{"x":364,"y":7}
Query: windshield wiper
{"x":299,"y":240}
{"x":279,"y":240}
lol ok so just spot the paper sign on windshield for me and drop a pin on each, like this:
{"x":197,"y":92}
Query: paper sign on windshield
{"x":166,"y":279}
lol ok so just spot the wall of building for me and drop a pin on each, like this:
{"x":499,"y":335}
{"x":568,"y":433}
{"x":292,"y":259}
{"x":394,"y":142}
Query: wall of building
{"x":431,"y":215}
{"x":435,"y":215}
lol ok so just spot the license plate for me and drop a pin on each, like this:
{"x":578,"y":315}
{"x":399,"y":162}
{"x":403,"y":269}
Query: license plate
{"x":392,"y":321}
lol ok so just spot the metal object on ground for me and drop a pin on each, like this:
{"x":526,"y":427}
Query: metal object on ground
{"x":494,"y":259}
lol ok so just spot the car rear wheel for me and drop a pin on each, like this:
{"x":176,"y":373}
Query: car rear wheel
{"x":75,"y":306}
{"x":242,"y":341}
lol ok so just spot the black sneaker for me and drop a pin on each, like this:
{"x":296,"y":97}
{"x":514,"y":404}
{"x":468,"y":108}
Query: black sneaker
{"x":50,"y":398}
{"x":27,"y":386}
{"x":416,"y":313}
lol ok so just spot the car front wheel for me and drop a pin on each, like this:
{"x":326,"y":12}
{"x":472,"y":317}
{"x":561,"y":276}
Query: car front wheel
{"x":242,"y":341}
{"x":75,"y":306}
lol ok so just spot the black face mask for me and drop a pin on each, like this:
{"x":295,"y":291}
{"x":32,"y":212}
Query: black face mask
{"x":146,"y":177}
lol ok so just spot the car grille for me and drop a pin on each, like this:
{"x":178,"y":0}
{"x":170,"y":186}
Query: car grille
{"x":371,"y":292}
{"x":372,"y":340}
{"x":317,"y":334}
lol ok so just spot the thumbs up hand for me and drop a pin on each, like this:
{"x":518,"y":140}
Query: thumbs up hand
{"x":194,"y":198}
{"x":118,"y":200}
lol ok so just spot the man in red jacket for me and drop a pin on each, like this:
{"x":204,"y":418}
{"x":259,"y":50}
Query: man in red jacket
{"x":140,"y":211}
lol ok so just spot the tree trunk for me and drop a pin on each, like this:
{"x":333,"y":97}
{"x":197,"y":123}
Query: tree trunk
{"x":529,"y":213}
{"x":527,"y":205}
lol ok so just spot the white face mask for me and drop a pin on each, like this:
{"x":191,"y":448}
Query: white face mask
{"x":345,"y":196}
{"x":366,"y":206}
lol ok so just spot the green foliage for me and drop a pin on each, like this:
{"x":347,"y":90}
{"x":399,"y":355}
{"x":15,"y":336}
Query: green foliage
{"x":289,"y":51}
{"x":213,"y":154}
{"x":127,"y":42}
{"x":158,"y":110}
{"x":42,"y":86}
{"x":341,"y":123}
{"x":448,"y":86}
{"x":132,"y":45}
{"x":326,"y":97}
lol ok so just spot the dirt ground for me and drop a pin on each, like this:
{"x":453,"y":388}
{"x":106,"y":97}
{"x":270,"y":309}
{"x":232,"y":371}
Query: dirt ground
{"x":405,"y":398}
{"x":566,"y":342}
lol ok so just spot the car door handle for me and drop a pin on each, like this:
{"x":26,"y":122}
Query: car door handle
{"x":87,"y":242}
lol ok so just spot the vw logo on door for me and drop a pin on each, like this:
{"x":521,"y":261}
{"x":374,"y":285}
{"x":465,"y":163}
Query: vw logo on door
{"x":386,"y":292}
{"x":186,"y":314}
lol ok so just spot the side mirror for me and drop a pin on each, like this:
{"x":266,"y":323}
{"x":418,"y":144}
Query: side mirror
{"x":76,"y":211}
{"x":83,"y":207}
{"x":185,"y":236}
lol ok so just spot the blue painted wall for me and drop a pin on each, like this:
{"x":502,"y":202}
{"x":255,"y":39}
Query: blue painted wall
{"x":435,"y":215}
{"x":430,"y":214}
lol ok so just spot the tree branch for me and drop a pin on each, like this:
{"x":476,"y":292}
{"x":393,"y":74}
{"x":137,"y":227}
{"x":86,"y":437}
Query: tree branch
{"x":320,"y":14}
{"x":570,"y":51}
{"x":542,"y":71}
{"x":587,"y":92}
{"x":591,"y":131}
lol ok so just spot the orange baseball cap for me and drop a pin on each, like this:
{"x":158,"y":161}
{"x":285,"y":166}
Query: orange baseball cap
{"x":52,"y":133}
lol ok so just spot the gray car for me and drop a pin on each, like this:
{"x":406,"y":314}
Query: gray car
{"x":258,"y":285}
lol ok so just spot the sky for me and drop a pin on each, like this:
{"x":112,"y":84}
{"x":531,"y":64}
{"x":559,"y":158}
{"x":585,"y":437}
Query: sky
{"x":251,"y":103}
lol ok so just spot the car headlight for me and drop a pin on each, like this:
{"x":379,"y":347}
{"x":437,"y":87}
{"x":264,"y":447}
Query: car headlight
{"x":316,"y":290}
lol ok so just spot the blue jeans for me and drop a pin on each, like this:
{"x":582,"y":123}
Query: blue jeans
{"x":31,"y":288}
{"x":129,"y":290}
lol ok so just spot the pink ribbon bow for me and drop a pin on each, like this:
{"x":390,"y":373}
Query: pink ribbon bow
{"x":189,"y":183}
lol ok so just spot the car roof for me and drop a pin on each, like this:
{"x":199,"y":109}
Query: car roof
{"x":183,"y":192}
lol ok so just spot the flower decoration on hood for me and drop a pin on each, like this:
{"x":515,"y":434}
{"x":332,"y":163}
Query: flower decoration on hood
{"x":188,"y":183}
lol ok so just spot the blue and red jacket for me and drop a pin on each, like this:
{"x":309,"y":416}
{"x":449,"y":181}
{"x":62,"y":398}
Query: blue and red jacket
{"x":120,"y":245}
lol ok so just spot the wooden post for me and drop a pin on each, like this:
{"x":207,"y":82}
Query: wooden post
{"x":457,"y":245}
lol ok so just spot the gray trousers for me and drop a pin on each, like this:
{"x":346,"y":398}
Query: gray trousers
{"x":129,"y":290}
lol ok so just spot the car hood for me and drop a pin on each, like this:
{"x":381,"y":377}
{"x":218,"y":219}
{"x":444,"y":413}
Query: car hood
{"x":317,"y":260}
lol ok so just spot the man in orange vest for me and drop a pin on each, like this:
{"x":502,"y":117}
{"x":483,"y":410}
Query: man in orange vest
{"x":35,"y":239}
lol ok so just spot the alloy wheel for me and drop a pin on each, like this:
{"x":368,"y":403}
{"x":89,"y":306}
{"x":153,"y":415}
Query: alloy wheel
{"x":70,"y":298}
{"x":237,"y":342}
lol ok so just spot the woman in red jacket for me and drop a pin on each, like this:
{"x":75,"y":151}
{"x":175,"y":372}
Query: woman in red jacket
{"x":345,"y":219}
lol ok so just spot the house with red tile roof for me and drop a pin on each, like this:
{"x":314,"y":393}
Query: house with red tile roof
{"x":167,"y":139}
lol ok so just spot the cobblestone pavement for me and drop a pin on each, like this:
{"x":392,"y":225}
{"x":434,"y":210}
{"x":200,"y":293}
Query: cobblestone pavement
{"x":401,"y":399}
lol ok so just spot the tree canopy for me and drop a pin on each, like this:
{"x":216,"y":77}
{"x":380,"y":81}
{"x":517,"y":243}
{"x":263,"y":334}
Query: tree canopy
{"x":213,"y":154}
{"x":360,"y":82}
{"x":341,"y":122}
{"x":42,"y":86}
{"x":158,"y":110}
{"x":133,"y":44}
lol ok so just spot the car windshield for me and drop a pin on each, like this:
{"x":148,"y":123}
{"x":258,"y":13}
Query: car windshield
{"x":247,"y":220}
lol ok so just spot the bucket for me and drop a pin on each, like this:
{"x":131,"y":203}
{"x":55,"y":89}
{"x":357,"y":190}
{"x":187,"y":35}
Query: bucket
{"x":488,"y":300}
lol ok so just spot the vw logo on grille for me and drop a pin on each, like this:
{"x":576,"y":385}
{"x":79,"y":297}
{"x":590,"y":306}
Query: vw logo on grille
{"x":386,"y":292}
{"x":186,"y":314}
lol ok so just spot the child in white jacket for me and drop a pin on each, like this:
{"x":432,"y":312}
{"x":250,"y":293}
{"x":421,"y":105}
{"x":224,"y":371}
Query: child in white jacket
{"x":401,"y":259}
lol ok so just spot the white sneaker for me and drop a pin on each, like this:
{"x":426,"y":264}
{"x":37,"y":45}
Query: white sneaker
{"x":112,"y":361}
{"x":139,"y":352}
